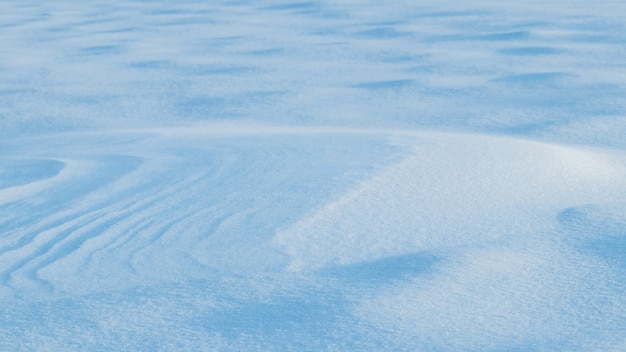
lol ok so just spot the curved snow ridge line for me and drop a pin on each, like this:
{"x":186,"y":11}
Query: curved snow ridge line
{"x":70,"y":168}
{"x":61,"y":202}
{"x":76,"y":169}
{"x":70,"y":246}
{"x":52,"y":237}
{"x":20,"y":171}
{"x":258,"y":129}
{"x":117,"y":224}
{"x":453,"y":190}
{"x":246,"y":129}
{"x":120,"y":216}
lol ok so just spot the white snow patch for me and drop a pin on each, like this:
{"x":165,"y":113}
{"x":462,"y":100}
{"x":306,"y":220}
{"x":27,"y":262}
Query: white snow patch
{"x":454,"y":190}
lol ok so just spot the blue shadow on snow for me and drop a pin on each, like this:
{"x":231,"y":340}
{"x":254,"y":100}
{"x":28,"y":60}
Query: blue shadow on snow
{"x":384,"y":270}
{"x":597,"y":232}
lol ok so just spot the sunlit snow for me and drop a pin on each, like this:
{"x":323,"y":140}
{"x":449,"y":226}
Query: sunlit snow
{"x":312,"y":176}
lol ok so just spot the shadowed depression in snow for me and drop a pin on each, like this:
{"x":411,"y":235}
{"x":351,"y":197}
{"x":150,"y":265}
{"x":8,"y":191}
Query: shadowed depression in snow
{"x":312,"y":176}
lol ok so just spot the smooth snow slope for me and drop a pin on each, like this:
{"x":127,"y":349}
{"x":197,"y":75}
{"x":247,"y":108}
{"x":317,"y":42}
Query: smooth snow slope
{"x":312,"y":176}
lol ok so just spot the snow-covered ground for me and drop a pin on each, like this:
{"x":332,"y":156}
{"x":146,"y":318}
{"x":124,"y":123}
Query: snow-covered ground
{"x":312,"y":176}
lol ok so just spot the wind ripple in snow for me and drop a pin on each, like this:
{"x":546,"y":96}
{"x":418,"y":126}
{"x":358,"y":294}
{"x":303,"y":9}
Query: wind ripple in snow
{"x":239,"y":236}
{"x":169,"y":206}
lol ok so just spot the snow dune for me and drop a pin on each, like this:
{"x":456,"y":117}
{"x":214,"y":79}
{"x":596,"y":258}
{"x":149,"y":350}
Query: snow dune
{"x":315,"y":175}
{"x":392,"y":238}
{"x":454,"y":190}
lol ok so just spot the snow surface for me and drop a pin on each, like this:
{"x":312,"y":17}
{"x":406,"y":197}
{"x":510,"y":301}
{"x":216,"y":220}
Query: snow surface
{"x":312,"y":176}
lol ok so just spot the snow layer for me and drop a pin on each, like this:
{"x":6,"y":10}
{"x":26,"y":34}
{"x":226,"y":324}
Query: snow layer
{"x":308,"y":176}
